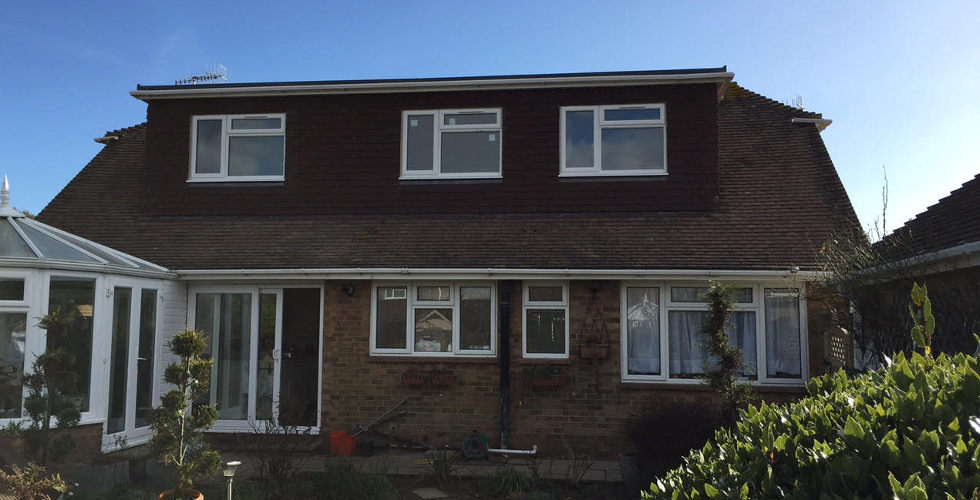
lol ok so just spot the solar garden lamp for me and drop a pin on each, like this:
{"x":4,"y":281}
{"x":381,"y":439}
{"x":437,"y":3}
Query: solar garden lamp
{"x":229,"y":473}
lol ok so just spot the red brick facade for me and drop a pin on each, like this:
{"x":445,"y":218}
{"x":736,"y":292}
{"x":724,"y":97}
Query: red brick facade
{"x":591,"y":417}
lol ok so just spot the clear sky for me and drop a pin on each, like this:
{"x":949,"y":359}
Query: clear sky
{"x":900,"y":79}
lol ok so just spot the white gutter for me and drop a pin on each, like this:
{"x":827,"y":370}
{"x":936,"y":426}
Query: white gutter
{"x":969,"y":250}
{"x":821,"y":123}
{"x":474,"y":273}
{"x":94,"y":267}
{"x":721,"y":79}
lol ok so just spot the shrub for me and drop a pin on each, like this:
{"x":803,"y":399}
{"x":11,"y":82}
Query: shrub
{"x":504,"y":482}
{"x":909,"y":428}
{"x":341,"y":481}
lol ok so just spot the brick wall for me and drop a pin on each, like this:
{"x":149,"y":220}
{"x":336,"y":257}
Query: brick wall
{"x":593,"y":411}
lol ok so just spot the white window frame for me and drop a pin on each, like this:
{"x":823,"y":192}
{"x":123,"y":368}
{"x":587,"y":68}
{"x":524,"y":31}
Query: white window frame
{"x":757,"y":305}
{"x":454,"y":303}
{"x":226,"y":133}
{"x":599,"y":123}
{"x":438,"y":129}
{"x":33,"y":345}
{"x":527,"y":305}
{"x":251,"y":422}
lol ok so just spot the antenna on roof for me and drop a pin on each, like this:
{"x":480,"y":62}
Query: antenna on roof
{"x":211,"y":74}
{"x":796,"y":102}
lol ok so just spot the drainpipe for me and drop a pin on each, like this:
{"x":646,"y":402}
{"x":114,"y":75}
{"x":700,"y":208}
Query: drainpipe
{"x":504,"y":363}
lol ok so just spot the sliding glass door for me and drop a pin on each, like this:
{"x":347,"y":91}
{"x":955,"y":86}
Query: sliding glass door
{"x":265,"y":343}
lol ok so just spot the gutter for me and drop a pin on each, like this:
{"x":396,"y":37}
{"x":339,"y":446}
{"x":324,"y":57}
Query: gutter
{"x":490,"y":272}
{"x":821,"y":123}
{"x":720,"y":79}
{"x":971,"y":250}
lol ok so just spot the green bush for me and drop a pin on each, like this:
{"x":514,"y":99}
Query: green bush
{"x":909,"y":430}
{"x":341,"y":481}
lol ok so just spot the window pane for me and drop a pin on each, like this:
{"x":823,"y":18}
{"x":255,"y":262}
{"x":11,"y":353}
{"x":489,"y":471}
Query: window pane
{"x":227,"y":318}
{"x":52,"y":248}
{"x":470,"y":119}
{"x":208,"y":155}
{"x":743,"y":295}
{"x":11,"y":244}
{"x":144,"y":363}
{"x":433,"y":330}
{"x":579,"y":139}
{"x":11,"y":289}
{"x":419,"y":149}
{"x":643,"y":331}
{"x":434,"y":293}
{"x":688,"y":354}
{"x":474,"y":318}
{"x":13,"y":333}
{"x":545,"y":331}
{"x":687,"y":293}
{"x":267,"y":362}
{"x":470,"y":152}
{"x":255,"y":155}
{"x":545,"y":294}
{"x":783,"y":353}
{"x":256,"y":123}
{"x":75,"y":297}
{"x":121,"y":302}
{"x":633,"y":148}
{"x":632,"y":114}
{"x":392,"y":317}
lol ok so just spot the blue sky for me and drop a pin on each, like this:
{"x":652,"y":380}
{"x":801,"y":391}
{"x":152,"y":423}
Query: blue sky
{"x":899,"y":79}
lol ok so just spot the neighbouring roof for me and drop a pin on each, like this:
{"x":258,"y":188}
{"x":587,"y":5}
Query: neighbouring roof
{"x":719,"y":76}
{"x":779,"y":199}
{"x":953,"y":221}
{"x":27,"y":243}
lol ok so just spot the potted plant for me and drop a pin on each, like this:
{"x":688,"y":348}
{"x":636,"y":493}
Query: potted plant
{"x":442,"y":377}
{"x":178,"y":424}
{"x":414,"y":377}
{"x":594,"y":336}
{"x":544,"y":376}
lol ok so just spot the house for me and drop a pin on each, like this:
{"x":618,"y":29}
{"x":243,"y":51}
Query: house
{"x":331,"y":236}
{"x":940,"y":248}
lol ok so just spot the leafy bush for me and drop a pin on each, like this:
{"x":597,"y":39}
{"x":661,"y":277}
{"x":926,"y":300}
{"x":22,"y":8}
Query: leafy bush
{"x":31,"y":483}
{"x":908,"y":430}
{"x":341,"y":481}
{"x":504,"y":482}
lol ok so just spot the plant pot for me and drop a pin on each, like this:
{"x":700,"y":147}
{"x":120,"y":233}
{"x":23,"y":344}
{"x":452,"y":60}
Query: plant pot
{"x":547,"y":381}
{"x":444,"y":380}
{"x":413,"y":379}
{"x":597,"y":351}
{"x":188,"y":493}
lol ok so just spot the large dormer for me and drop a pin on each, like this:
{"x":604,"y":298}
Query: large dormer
{"x":563,"y":143}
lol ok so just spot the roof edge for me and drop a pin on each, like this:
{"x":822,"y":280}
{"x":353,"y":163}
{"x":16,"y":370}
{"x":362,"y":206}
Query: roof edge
{"x":718,"y":76}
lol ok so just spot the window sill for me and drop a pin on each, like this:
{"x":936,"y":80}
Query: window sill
{"x":414,"y":179}
{"x":240,"y":180}
{"x":544,"y":361}
{"x":614,"y":173}
{"x":405,"y":358}
{"x":685,"y":385}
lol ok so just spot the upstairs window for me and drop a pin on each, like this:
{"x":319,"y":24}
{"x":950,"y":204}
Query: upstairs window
{"x":613,"y":140}
{"x":451,"y":144}
{"x":238,"y":148}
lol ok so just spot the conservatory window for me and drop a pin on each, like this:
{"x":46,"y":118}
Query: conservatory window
{"x":13,"y":337}
{"x":74,"y":298}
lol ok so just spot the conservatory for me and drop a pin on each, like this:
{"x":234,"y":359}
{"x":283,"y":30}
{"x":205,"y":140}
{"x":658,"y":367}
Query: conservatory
{"x":111,"y":302}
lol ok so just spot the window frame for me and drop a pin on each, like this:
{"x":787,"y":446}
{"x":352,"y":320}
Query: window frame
{"x":438,"y":129}
{"x":226,"y":134}
{"x":757,"y":305}
{"x":598,"y":123}
{"x":412,"y":302}
{"x":527,"y":304}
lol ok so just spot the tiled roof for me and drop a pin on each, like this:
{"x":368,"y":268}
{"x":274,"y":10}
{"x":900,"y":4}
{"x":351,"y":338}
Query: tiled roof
{"x":952,"y":221}
{"x":779,"y":198}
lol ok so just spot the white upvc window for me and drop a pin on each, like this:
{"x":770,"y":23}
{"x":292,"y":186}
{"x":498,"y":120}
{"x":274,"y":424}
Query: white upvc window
{"x":662,"y":340}
{"x":545,"y":319}
{"x":451,"y":144}
{"x":238,"y":148}
{"x":433,"y":319}
{"x":627,"y":139}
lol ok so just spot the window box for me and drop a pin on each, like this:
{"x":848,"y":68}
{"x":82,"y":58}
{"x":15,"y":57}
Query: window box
{"x":238,"y":148}
{"x":613,"y":140}
{"x":414,"y":378}
{"x":544,"y":377}
{"x":442,"y":378}
{"x":451,"y":144}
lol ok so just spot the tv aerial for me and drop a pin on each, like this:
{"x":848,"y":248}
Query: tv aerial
{"x":212,"y":74}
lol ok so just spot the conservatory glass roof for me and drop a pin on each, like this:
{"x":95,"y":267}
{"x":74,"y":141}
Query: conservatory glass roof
{"x":25,"y":242}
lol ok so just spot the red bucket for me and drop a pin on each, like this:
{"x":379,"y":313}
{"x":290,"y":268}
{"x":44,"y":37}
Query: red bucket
{"x":342,"y":443}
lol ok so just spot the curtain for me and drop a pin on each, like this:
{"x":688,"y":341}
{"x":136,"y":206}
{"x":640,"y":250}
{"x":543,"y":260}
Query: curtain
{"x":783,"y":355}
{"x":643,"y":331}
{"x":687,"y":352}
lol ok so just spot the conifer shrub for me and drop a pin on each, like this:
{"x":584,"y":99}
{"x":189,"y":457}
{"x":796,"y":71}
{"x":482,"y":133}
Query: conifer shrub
{"x":909,"y":430}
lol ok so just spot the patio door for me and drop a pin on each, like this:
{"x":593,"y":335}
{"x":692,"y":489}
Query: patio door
{"x":265,"y":343}
{"x":133,"y":330}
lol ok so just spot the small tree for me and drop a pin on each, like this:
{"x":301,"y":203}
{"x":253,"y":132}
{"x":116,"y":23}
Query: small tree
{"x":178,"y":424}
{"x":52,"y":377}
{"x":725,"y":363}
